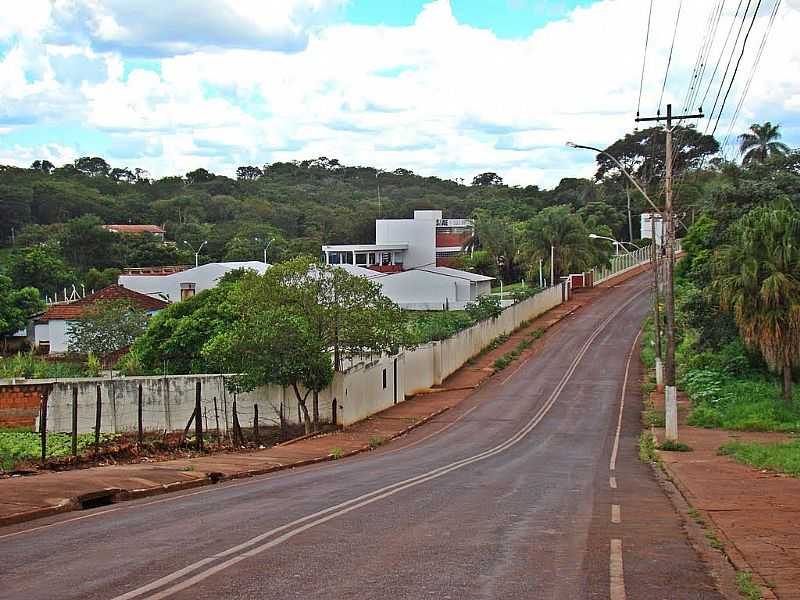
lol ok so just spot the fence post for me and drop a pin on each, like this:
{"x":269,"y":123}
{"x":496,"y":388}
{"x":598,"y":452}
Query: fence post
{"x":98,"y":408}
{"x":198,"y":416}
{"x":255,"y":424}
{"x":75,"y":420}
{"x":216,"y":418}
{"x":139,"y":417}
{"x":43,"y":425}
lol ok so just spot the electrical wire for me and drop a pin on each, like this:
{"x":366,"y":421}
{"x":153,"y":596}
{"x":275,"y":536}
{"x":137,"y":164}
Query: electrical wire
{"x":644,"y":58}
{"x":721,"y":54}
{"x":736,"y":70}
{"x":757,"y":59}
{"x":669,"y":59}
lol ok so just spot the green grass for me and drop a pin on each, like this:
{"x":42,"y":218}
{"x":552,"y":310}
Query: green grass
{"x":748,"y":589}
{"x":336,"y":453}
{"x":376,"y":441}
{"x":426,"y":326}
{"x":513,"y":287}
{"x":30,"y":366}
{"x":17,"y":446}
{"x":673,"y":446}
{"x":647,"y":447}
{"x":781,"y":457}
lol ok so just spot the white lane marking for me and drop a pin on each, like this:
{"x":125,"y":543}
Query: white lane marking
{"x":612,"y":481}
{"x":616,"y":517}
{"x":617,"y":576}
{"x":250,"y":548}
{"x":612,"y":465}
{"x":430,"y":435}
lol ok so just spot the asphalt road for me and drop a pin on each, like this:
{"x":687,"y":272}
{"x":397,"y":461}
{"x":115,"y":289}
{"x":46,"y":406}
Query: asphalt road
{"x":514,"y":497}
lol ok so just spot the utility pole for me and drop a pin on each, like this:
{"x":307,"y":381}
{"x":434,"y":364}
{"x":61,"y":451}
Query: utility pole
{"x":656,"y":311}
{"x":670,"y":392}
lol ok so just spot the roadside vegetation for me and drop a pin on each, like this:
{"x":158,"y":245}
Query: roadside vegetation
{"x":780,"y":457}
{"x":17,"y":446}
{"x":30,"y":366}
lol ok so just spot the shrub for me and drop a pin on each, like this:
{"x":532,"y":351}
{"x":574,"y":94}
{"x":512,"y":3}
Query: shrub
{"x":674,"y":446}
{"x":485,"y":307}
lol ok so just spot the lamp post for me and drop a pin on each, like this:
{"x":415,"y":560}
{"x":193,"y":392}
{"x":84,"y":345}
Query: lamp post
{"x":617,"y":243}
{"x":196,"y":252}
{"x":670,"y":395}
{"x":269,"y":243}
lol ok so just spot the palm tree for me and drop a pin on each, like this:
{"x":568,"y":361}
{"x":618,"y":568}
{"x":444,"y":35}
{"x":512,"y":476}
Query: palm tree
{"x":761,"y":143}
{"x":758,"y":281}
{"x":559,"y":228}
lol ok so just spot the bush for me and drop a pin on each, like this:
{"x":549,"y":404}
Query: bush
{"x":425,"y":327}
{"x":485,"y":307}
{"x":673,"y":446}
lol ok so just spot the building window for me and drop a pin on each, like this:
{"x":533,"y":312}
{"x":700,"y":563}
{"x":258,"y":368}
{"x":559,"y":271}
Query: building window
{"x":347,"y":258}
{"x":386,"y":258}
{"x":372,"y":258}
{"x":333,"y":258}
{"x":361,"y":258}
{"x":384,"y":379}
{"x":187,"y":290}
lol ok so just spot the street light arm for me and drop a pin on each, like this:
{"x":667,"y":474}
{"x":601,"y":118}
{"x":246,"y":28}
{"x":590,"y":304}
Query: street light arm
{"x":621,"y":168}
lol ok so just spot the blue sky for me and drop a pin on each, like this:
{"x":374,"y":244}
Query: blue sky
{"x":442,"y":87}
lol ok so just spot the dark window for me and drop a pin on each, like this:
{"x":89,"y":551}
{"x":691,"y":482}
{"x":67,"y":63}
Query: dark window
{"x":384,"y":379}
{"x":361,"y":259}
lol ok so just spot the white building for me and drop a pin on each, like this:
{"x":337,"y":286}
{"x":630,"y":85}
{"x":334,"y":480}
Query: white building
{"x":649,"y":222}
{"x":175,"y":286}
{"x":51,"y":329}
{"x":427,"y":240}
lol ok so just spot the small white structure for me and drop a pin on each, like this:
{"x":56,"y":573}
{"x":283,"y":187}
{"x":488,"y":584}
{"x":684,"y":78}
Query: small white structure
{"x":181,"y":285}
{"x":51,"y":329}
{"x":650,"y":222}
{"x":427,"y":240}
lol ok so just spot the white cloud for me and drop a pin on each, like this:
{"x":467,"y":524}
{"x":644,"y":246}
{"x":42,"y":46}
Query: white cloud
{"x":438,"y":97}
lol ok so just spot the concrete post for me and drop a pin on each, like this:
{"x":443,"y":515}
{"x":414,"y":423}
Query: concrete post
{"x":671,"y":412}
{"x":659,"y":375}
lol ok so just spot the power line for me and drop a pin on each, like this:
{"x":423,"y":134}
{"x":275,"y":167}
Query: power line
{"x":746,"y":88}
{"x":728,"y":65}
{"x":738,"y":62}
{"x":700,"y":52}
{"x":721,"y":54}
{"x":644,"y":58}
{"x":716,"y":18}
{"x":669,"y":59}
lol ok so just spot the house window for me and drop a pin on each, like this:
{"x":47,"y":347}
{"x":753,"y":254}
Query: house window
{"x":187,"y":290}
{"x":386,"y":258}
{"x":361,"y":258}
{"x":384,"y":379}
{"x":347,"y":258}
{"x":372,"y":258}
{"x":333,"y":258}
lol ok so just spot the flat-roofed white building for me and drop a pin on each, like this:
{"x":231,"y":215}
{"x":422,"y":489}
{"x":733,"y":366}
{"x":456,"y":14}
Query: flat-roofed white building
{"x":650,"y":222}
{"x":174,"y":286}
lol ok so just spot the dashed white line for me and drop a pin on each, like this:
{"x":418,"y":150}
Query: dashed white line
{"x":612,"y":465}
{"x":617,"y":578}
{"x":616,"y":516}
{"x":612,"y":481}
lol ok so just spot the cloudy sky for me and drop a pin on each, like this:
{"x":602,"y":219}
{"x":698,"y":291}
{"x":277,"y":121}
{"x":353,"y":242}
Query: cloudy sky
{"x":442,"y":87}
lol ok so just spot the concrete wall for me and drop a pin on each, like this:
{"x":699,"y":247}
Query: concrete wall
{"x":419,"y":233}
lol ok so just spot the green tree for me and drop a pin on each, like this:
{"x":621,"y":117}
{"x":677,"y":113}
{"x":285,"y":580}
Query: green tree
{"x":761,"y":142}
{"x":298,"y":321}
{"x":85,"y":243}
{"x":16,"y":306}
{"x":489,"y":178}
{"x":757,"y":277}
{"x":106,"y":327}
{"x":499,"y":238}
{"x":559,"y":228}
{"x":175,"y":336}
{"x":40,"y":267}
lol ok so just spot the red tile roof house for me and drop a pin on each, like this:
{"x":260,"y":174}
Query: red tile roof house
{"x":51,"y":328}
{"x":154,"y":230}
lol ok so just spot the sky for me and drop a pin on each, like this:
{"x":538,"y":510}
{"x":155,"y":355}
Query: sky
{"x":449,"y":88}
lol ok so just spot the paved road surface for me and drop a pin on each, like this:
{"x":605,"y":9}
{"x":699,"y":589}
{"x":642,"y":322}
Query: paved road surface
{"x":513,"y":498}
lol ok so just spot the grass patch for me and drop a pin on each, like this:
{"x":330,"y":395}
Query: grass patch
{"x":780,"y":457}
{"x":376,"y":441}
{"x":502,"y":362}
{"x":714,"y":541}
{"x":18,"y":446}
{"x":30,"y":366}
{"x":336,"y":453}
{"x":647,"y":447}
{"x":748,"y":589}
{"x":674,"y":446}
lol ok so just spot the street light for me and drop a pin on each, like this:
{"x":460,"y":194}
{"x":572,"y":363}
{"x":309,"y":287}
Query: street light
{"x":269,"y":243}
{"x":670,"y":394}
{"x":617,"y":244}
{"x":196,"y":252}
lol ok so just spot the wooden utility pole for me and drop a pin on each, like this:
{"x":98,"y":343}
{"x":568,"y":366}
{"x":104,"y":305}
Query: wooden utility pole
{"x":656,"y":300}
{"x":670,"y":393}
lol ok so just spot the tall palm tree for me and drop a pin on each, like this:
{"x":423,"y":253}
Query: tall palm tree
{"x":758,"y":281}
{"x":761,"y":142}
{"x":559,"y":228}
